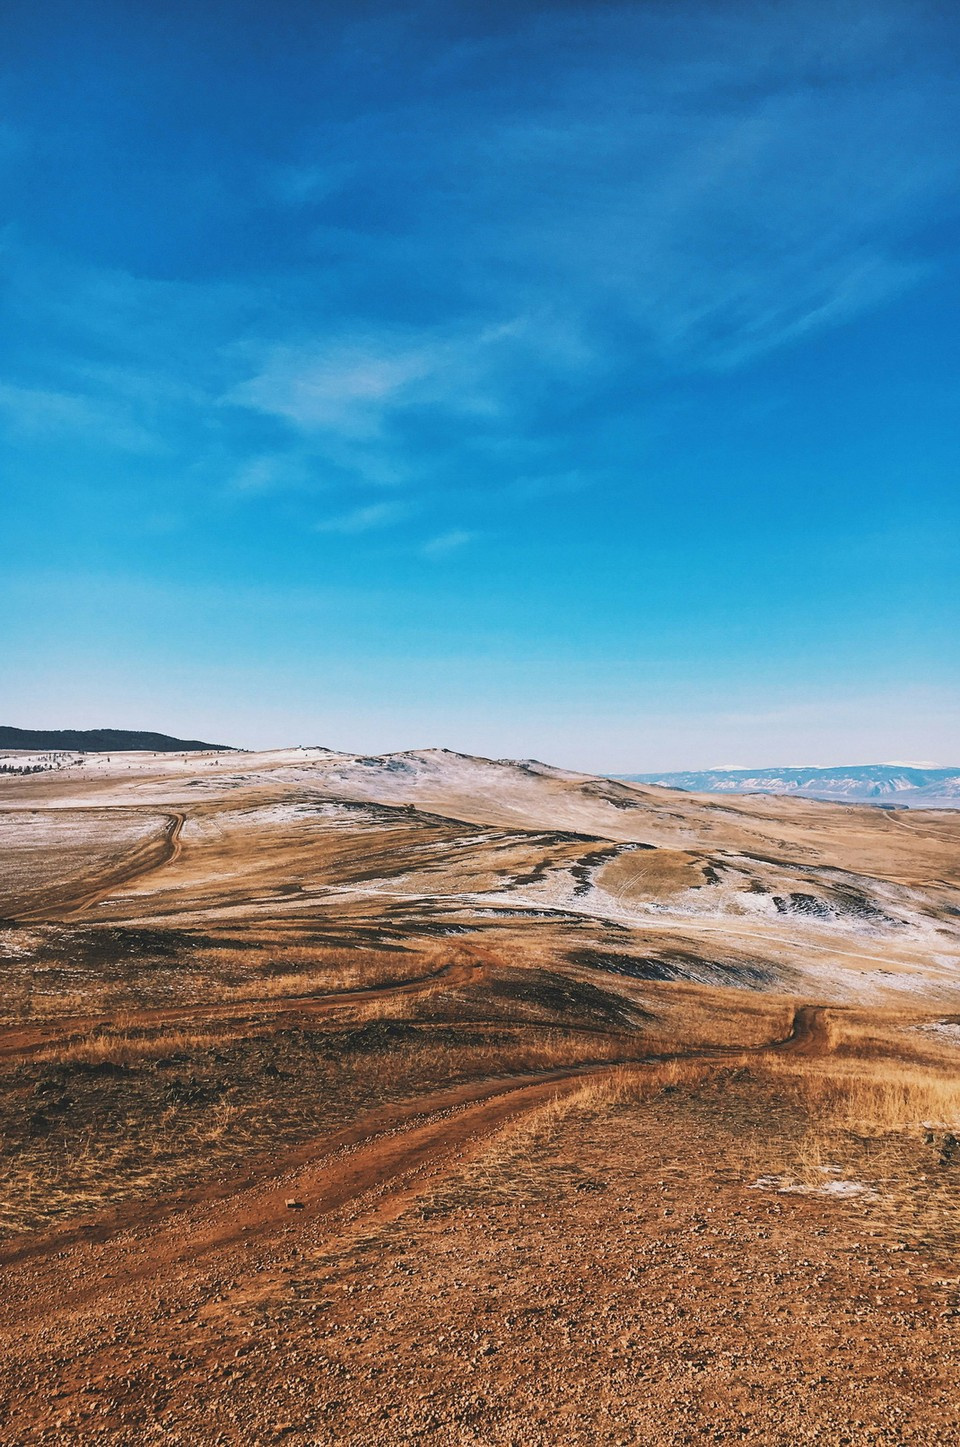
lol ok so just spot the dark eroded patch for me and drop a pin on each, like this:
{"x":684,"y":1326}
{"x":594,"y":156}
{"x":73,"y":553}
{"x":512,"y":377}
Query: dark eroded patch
{"x":675,"y":964}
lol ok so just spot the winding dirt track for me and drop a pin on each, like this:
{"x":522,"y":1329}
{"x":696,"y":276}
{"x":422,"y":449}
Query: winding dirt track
{"x":385,"y":1146}
{"x":138,"y":865}
{"x":148,"y":856}
{"x":280,"y":1010}
{"x":101,"y":1265}
{"x":809,"y":1034}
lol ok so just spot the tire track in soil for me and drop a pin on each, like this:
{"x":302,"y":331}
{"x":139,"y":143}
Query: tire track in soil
{"x":390,"y":1157}
{"x":808,"y":1034}
{"x":142,"y":861}
{"x":29,"y":1040}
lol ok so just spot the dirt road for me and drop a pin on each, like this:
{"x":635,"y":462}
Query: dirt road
{"x":151,"y":854}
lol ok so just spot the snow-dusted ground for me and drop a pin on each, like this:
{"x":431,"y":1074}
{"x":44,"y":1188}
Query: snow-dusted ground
{"x":43,"y":850}
{"x":836,"y":1187}
{"x":20,"y":761}
{"x":833,"y":893}
{"x":945,"y":1030}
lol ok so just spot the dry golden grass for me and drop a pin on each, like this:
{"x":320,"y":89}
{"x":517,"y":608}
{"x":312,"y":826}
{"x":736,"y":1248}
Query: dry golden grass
{"x":23,"y":1004}
{"x":119,"y":1046}
{"x":631,"y":1084}
{"x":530,"y":1152}
{"x":100,"y":1166}
{"x":872,"y":1097}
{"x":217,"y":976}
{"x":846,"y":1107}
{"x":909,"y":1099}
{"x":691,"y":1017}
{"x":306,"y":970}
{"x":624,"y":1084}
{"x":441,"y":1061}
{"x":551,"y":1050}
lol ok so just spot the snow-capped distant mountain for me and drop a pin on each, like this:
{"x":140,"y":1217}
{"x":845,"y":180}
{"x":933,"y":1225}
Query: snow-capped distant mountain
{"x":904,"y":786}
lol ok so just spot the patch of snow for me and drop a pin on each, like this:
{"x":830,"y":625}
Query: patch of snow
{"x":908,"y":764}
{"x":836,"y":1189}
{"x":945,"y":1029}
{"x":843,"y":1189}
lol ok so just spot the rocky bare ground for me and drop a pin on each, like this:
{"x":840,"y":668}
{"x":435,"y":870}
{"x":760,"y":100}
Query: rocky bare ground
{"x":432,"y":1099}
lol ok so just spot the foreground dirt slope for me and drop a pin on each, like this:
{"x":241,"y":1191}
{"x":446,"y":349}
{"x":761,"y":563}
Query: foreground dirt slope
{"x":582,"y":1280}
{"x":430,"y":1098}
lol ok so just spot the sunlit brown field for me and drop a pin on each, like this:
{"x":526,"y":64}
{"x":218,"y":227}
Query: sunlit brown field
{"x":426,"y":1098}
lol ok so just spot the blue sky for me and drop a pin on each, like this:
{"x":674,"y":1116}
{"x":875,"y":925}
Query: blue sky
{"x":576,"y":381}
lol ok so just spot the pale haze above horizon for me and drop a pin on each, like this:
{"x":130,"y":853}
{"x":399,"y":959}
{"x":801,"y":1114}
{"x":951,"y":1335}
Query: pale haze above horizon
{"x":555,"y":380}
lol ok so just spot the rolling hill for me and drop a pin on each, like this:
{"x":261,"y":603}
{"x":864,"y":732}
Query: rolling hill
{"x":353,"y":1099}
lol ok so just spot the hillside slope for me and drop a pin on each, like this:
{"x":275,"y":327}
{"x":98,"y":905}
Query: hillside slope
{"x":766,"y":893}
{"x":353,"y":1100}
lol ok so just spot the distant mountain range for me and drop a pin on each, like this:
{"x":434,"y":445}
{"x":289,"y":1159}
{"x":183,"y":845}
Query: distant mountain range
{"x":895,"y":785}
{"x":98,"y":741}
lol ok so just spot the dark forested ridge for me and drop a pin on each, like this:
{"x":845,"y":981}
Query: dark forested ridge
{"x":98,"y":741}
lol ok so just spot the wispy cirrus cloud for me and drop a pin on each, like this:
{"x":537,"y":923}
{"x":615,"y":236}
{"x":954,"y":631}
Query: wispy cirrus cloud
{"x":363,"y":519}
{"x":341,"y":388}
{"x":542,"y":214}
{"x":716,"y":181}
{"x":44,"y":414}
{"x":406,"y":409}
{"x":351,"y":386}
{"x":446,"y":543}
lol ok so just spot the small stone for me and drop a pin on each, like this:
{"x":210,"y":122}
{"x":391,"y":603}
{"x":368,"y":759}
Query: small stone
{"x":294,"y":1205}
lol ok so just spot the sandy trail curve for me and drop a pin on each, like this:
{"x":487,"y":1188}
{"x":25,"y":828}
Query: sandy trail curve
{"x":390,"y":1156}
{"x":388,"y":1147}
{"x":809,"y":1033}
{"x":149,"y":855}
